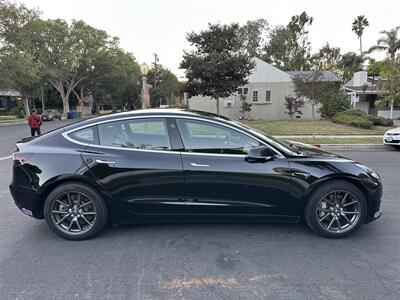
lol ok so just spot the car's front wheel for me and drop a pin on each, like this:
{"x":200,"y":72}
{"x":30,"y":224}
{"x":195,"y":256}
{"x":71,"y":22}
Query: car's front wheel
{"x":336,"y":209}
{"x":75,"y":211}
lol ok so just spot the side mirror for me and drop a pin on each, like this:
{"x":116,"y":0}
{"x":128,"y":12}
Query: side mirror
{"x":260,"y":155}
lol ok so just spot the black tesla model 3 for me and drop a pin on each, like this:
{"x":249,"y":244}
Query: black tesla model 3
{"x":185,"y":166}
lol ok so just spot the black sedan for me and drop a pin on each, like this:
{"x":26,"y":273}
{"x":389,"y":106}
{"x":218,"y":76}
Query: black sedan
{"x":185,"y":166}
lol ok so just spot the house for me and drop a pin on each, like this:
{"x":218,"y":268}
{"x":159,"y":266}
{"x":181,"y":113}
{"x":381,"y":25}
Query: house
{"x":266,"y":90}
{"x":363,"y":92}
{"x":9,"y":99}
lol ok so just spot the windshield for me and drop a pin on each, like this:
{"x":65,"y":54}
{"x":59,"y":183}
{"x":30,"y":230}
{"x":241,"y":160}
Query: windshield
{"x":284,"y":145}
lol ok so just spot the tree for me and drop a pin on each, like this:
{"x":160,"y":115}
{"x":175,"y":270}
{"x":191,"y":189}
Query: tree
{"x":19,"y":68}
{"x":311,"y":86}
{"x":299,"y":46}
{"x":389,"y":43}
{"x":288,"y":47}
{"x":327,"y":58}
{"x":349,"y":64}
{"x":218,"y":65}
{"x":252,"y":34}
{"x":390,"y":92}
{"x":293,"y":105}
{"x":358,"y":27}
{"x":168,"y":88}
{"x":375,"y":68}
{"x":64,"y":52}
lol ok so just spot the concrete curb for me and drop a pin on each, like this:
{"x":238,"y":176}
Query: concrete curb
{"x":330,"y":147}
{"x":13,"y":123}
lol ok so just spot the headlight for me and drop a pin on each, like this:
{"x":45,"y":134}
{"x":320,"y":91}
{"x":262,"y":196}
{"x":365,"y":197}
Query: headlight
{"x":369,"y":171}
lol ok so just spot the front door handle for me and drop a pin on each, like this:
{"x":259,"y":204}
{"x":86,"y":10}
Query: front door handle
{"x":199,"y":165}
{"x":108,"y":162}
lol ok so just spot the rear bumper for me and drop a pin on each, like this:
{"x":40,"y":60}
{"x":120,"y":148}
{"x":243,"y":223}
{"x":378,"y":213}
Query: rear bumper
{"x":27,"y":200}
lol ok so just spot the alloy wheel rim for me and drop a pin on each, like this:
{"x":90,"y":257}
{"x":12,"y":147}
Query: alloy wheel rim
{"x":73,"y":213}
{"x":338,"y":211}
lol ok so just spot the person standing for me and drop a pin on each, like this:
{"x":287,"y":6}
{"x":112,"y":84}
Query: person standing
{"x":34,"y":122}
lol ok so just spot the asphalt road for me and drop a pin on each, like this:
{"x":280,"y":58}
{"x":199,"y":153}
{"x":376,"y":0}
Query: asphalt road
{"x":201,"y":261}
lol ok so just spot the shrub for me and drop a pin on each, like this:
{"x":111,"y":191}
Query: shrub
{"x":358,"y":118}
{"x":380,"y":121}
{"x":19,"y":112}
{"x":352,"y":120}
{"x":334,"y":103}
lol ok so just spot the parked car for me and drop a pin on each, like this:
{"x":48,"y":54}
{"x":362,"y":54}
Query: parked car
{"x":392,"y":137}
{"x":51,"y":115}
{"x":185,"y":166}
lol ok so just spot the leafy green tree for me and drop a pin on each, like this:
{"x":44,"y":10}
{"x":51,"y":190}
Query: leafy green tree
{"x":358,"y":27}
{"x":252,"y":34}
{"x":389,"y":43}
{"x":218,"y":65}
{"x":333,"y":102}
{"x":375,"y":68}
{"x":114,"y":79}
{"x":326,"y":58}
{"x":349,"y":64}
{"x":312,"y":87}
{"x":288,"y":47}
{"x":390,"y":92}
{"x":276,"y":51}
{"x":168,"y":88}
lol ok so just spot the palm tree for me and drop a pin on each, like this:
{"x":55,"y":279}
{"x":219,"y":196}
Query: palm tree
{"x":389,"y":43}
{"x":358,"y":27}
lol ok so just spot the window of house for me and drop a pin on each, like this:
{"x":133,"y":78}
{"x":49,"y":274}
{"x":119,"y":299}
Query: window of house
{"x":239,"y":91}
{"x":255,"y":96}
{"x":245,"y":91}
{"x":228,"y":102}
{"x":268,"y":96}
{"x":205,"y":137}
{"x":149,"y":134}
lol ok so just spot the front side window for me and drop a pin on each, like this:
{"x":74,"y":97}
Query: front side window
{"x":205,"y":137}
{"x":149,"y":134}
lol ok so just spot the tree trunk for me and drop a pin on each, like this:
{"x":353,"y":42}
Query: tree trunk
{"x":80,"y":98}
{"x":217,"y":106}
{"x":361,"y":52}
{"x":26,"y":107}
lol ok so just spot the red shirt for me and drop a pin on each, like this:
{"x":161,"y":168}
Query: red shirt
{"x":34,"y":120}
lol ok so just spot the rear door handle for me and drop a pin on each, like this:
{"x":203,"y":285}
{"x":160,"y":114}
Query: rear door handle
{"x":199,"y":165}
{"x":108,"y":162}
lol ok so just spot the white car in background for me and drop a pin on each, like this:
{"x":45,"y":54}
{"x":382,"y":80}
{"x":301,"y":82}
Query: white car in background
{"x":392,"y":137}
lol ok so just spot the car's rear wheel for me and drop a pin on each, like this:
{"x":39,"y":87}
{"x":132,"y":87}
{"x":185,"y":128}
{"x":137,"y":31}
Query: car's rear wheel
{"x":336,"y":209}
{"x":75,"y":211}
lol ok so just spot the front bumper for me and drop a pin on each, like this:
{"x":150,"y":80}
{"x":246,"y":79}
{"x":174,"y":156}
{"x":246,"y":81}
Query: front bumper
{"x":374,"y":205}
{"x":27,"y":200}
{"x":391,"y":140}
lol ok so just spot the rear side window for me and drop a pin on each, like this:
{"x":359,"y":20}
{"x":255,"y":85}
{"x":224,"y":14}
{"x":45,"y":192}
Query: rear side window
{"x":149,"y":134}
{"x":86,"y":135}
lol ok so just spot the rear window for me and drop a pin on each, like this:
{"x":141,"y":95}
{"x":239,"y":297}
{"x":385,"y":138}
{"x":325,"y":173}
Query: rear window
{"x":86,"y":135}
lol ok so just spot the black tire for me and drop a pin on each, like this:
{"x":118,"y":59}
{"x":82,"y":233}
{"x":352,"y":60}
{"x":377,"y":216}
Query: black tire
{"x":96,"y":214}
{"x":341,"y":188}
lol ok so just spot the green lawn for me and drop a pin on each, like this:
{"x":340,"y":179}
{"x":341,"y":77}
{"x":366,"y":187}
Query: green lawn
{"x":310,"y":127}
{"x":367,"y":140}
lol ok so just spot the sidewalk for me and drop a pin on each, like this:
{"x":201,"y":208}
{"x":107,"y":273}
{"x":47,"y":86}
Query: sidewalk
{"x":319,"y":136}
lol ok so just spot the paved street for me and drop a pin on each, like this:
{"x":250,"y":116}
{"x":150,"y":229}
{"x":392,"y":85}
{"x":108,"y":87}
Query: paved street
{"x":200,"y":261}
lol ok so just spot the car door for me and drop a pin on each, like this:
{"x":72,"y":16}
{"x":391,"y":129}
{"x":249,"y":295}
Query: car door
{"x":219,"y":180}
{"x":136,"y":164}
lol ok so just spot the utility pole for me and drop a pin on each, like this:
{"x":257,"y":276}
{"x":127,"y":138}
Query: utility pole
{"x":155,"y":69}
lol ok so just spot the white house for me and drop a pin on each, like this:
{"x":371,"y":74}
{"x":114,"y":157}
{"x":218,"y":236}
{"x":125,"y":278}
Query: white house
{"x":266,"y":90}
{"x":363,"y":91}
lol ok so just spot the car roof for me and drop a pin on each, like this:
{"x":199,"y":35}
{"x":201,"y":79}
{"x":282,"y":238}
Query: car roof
{"x":173,"y":112}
